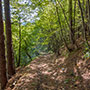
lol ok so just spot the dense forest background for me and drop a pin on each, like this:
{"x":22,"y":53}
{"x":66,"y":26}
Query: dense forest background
{"x":43,"y":26}
{"x":35,"y":27}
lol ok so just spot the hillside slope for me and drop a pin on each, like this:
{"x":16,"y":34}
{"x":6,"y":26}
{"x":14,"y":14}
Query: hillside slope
{"x":51,"y":73}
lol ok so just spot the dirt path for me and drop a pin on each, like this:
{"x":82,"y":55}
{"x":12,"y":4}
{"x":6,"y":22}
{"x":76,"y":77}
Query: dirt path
{"x":46,"y":73}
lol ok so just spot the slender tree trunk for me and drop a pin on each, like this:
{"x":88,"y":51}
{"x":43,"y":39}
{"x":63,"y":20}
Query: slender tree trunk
{"x":74,"y":16}
{"x":89,"y":15}
{"x":16,"y":60}
{"x":84,"y":28}
{"x":86,"y":10}
{"x":71,"y":23}
{"x":75,"y":36}
{"x":3,"y":77}
{"x":62,"y":37}
{"x":27,"y":51}
{"x":28,"y":55}
{"x":10,"y":57}
{"x":19,"y":44}
{"x":64,"y":14}
{"x":83,"y":4}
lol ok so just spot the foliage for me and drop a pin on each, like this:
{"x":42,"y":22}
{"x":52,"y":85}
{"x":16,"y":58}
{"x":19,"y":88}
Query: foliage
{"x":87,"y":52}
{"x":45,"y":26}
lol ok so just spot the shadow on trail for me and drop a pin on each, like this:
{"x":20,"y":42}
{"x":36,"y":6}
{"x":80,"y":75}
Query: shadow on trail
{"x":49,"y":73}
{"x":41,"y":74}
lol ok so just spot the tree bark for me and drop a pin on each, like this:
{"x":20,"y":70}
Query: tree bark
{"x":10,"y":57}
{"x":71,"y":23}
{"x":3,"y":77}
{"x":64,"y":14}
{"x":62,"y":37}
{"x":89,"y":15}
{"x":27,"y":51}
{"x":83,"y":22}
{"x":19,"y":59}
{"x":74,"y":16}
{"x":28,"y":55}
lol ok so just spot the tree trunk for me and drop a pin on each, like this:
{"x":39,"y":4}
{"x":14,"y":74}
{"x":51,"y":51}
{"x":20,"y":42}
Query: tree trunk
{"x":19,"y":59}
{"x":74,"y":16}
{"x":27,"y":51}
{"x":28,"y":55}
{"x":3,"y":77}
{"x":64,"y":14}
{"x":62,"y":37}
{"x":83,"y":22}
{"x":71,"y":23}
{"x":10,"y":57}
{"x":86,"y":10}
{"x":89,"y":15}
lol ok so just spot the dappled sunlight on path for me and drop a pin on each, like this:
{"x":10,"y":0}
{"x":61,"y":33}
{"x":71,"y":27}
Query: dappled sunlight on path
{"x":49,"y":73}
{"x":41,"y":74}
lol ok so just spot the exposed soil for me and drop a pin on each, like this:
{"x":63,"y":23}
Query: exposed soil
{"x":50,"y":73}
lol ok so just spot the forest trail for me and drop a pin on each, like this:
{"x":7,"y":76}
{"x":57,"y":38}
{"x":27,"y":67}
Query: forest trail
{"x":48,"y":73}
